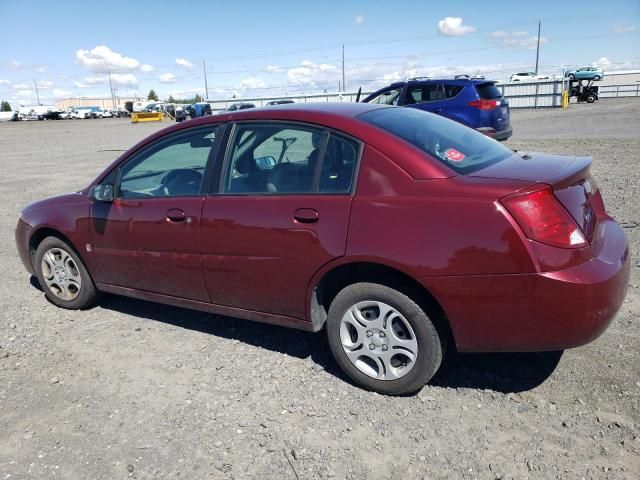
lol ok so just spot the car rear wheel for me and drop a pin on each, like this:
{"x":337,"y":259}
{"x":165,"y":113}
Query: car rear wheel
{"x":572,"y":76}
{"x":62,"y":275}
{"x":597,"y":77}
{"x":382,"y":339}
{"x":590,"y":98}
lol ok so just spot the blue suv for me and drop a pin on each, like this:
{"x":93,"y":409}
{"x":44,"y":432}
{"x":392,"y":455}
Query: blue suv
{"x":474,"y":102}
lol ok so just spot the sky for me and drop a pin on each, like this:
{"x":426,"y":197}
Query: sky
{"x":277,"y":47}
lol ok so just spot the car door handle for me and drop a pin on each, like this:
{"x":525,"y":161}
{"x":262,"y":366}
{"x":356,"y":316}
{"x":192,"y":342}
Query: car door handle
{"x":176,"y":215}
{"x":306,"y":215}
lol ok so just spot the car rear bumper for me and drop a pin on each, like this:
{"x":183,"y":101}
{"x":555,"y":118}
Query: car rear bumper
{"x":498,"y":135}
{"x":537,"y":311}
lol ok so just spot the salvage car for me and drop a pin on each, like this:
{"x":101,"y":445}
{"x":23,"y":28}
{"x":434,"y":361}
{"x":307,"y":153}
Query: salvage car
{"x":398,"y":232}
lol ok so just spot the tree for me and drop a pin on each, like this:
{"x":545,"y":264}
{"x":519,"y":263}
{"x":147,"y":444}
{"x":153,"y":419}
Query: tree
{"x":5,"y":107}
{"x":171,"y":99}
{"x":152,"y":95}
{"x":198,"y":98}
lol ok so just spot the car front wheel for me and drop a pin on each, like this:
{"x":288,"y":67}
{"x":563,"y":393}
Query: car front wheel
{"x":572,"y":77}
{"x":382,"y":339}
{"x":62,"y":275}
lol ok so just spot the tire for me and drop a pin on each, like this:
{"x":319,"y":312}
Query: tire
{"x":590,"y":98}
{"x":597,"y":77}
{"x":406,"y":324}
{"x":572,"y":77}
{"x":66,"y":284}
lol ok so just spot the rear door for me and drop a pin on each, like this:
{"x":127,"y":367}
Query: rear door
{"x":280,"y":212}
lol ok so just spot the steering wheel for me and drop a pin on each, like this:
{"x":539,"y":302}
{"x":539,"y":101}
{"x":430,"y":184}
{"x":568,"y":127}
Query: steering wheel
{"x":182,"y":181}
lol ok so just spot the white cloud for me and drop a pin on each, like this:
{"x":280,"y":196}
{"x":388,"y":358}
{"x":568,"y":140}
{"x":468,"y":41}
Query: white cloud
{"x":80,"y":84}
{"x":102,"y":59}
{"x":4,"y":82}
{"x":44,"y":84}
{"x":253,"y":82}
{"x":167,"y":78}
{"x":95,"y":80}
{"x":183,"y":62}
{"x":124,"y":79}
{"x":273,"y":69}
{"x":313,"y":73}
{"x":61,"y":93}
{"x":15,"y":65}
{"x":359,"y":19}
{"x":41,"y":69}
{"x":20,"y":86}
{"x":25,"y":93}
{"x":623,"y":27}
{"x":452,"y":26}
{"x":146,"y":68}
{"x":515,"y":39}
{"x":602,"y":62}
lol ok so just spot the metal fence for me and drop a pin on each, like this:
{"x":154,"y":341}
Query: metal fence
{"x":546,"y":94}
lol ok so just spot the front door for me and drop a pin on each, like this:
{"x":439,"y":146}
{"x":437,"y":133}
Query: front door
{"x":281,"y":212}
{"x":148,"y":237}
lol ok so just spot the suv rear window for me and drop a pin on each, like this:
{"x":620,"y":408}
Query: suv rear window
{"x":460,"y":148}
{"x":488,"y":91}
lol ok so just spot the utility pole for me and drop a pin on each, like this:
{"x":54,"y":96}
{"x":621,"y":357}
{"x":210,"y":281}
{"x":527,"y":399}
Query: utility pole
{"x":538,"y":48}
{"x":113,"y":100}
{"x":343,"y":84}
{"x":37,"y":94}
{"x":206,"y":87}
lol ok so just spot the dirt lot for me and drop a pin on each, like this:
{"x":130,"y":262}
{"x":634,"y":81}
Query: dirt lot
{"x":136,"y":390}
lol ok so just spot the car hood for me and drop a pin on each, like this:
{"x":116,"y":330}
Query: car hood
{"x":528,"y":166}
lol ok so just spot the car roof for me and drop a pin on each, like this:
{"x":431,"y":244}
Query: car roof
{"x":449,"y":81}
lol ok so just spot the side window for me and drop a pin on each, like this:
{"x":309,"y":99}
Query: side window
{"x":431,"y":92}
{"x":281,"y":158}
{"x":388,"y":97}
{"x":171,"y":168}
{"x":451,"y":91}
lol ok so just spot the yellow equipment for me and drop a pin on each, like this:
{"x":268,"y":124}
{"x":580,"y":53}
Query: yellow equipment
{"x":147,"y":117}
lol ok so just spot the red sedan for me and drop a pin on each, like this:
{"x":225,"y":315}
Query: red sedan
{"x":396,"y":230}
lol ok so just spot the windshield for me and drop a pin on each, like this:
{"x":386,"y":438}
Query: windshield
{"x":460,"y":148}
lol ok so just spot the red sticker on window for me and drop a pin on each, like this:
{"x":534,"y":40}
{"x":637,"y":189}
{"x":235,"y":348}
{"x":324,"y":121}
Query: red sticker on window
{"x":454,"y":155}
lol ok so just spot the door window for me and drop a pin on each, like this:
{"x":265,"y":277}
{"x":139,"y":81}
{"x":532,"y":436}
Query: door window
{"x":173,"y":167}
{"x":431,"y":92}
{"x":284,"y":159}
{"x":388,"y":97}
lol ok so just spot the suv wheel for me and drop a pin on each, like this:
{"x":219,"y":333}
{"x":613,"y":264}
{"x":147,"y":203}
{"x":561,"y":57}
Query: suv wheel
{"x":382,"y":339}
{"x":62,"y":275}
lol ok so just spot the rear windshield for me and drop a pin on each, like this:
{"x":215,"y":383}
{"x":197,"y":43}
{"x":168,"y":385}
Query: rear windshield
{"x":488,"y":91}
{"x":460,"y":148}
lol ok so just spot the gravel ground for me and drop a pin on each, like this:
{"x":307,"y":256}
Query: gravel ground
{"x":131,"y":389}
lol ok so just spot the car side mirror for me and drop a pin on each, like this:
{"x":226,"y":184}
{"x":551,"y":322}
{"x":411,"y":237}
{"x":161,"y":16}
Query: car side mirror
{"x":265,"y":163}
{"x":102,"y":192}
{"x":201,"y":142}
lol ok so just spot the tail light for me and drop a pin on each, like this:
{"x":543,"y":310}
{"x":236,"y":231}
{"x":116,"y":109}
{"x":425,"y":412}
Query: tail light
{"x":485,"y":104}
{"x":543,"y":218}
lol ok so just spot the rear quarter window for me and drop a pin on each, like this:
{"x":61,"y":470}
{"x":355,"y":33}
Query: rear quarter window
{"x":460,"y":148}
{"x":488,"y":91}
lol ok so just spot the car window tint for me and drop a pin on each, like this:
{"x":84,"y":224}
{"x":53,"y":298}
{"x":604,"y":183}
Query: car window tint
{"x":425,"y":93}
{"x":389,"y":97}
{"x":451,"y":91}
{"x":488,"y":91}
{"x":172,"y":167}
{"x":280,"y":158}
{"x":462,"y":149}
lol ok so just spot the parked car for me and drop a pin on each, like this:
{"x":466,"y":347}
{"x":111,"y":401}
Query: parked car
{"x":184,"y":112}
{"x":239,"y":106}
{"x":585,"y":73}
{"x":103,"y":113}
{"x":476,"y":103}
{"x":395,"y":230}
{"x":200,"y":109}
{"x":528,"y":77}
{"x":279,"y":102}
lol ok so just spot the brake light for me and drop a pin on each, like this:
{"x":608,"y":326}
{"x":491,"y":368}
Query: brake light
{"x":485,"y":104}
{"x":543,"y":219}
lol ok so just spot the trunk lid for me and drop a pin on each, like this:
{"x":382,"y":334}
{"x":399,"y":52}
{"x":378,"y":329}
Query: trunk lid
{"x":568,"y":176}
